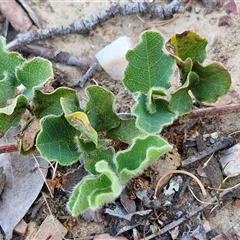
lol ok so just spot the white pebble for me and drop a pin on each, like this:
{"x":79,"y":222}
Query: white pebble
{"x":230,"y":161}
{"x":112,"y":57}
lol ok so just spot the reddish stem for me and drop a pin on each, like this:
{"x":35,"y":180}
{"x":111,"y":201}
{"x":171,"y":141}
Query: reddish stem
{"x":9,"y":147}
{"x":211,"y":111}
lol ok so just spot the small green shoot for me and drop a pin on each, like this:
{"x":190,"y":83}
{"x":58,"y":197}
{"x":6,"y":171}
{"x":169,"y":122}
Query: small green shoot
{"x":68,"y":132}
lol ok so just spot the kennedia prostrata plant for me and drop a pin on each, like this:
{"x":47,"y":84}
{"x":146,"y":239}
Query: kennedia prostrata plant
{"x":63,"y":130}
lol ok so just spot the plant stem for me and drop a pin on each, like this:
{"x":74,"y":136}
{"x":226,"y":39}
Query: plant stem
{"x":84,"y":26}
{"x":9,"y":147}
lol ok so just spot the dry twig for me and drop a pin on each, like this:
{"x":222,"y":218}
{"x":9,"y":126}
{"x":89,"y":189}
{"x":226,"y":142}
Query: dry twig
{"x":56,"y":56}
{"x":222,"y":142}
{"x":84,"y":26}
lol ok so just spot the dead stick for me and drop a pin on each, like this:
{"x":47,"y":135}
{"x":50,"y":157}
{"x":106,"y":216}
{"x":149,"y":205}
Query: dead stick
{"x":7,"y":148}
{"x":57,"y":56}
{"x":222,"y":143}
{"x":86,"y":76}
{"x":84,"y":26}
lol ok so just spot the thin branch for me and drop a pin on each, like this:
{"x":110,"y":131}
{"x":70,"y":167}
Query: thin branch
{"x":84,"y":26}
{"x":86,"y":76}
{"x":222,"y":143}
{"x":56,"y":56}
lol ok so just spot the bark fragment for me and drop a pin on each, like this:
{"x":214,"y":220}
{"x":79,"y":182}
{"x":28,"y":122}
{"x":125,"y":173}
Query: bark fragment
{"x":15,"y":14}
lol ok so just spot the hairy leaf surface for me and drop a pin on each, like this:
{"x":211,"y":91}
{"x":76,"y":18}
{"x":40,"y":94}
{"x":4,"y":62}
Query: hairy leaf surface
{"x":10,"y":116}
{"x":153,"y":122}
{"x":50,"y":103}
{"x":141,"y":154}
{"x":95,"y":190}
{"x":57,"y":140}
{"x":99,"y":109}
{"x":148,"y":65}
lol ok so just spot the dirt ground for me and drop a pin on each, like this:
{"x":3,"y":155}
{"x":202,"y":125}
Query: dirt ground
{"x":223,"y":47}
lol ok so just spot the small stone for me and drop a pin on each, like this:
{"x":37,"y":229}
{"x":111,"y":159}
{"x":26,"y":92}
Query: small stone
{"x":112,"y":57}
{"x":230,"y":161}
{"x":197,"y":10}
{"x":214,"y":135}
{"x":225,"y":21}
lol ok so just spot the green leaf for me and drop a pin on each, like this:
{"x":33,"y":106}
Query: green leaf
{"x":99,"y":109}
{"x":92,"y":155}
{"x":7,"y":90}
{"x":57,"y":140}
{"x":148,"y":65}
{"x":188,"y":45}
{"x":140,"y":155}
{"x":181,"y":102}
{"x":107,"y":194}
{"x":70,"y":103}
{"x":80,"y":121}
{"x":126,"y":131}
{"x":214,"y":82}
{"x":93,"y":191}
{"x":10,"y":116}
{"x":150,"y":104}
{"x":185,"y":68}
{"x":34,"y":72}
{"x":152,"y":123}
{"x":8,"y":80}
{"x":49,"y":103}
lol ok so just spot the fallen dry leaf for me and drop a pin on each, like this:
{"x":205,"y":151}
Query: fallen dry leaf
{"x":16,"y":15}
{"x":51,"y":228}
{"x":23,"y":184}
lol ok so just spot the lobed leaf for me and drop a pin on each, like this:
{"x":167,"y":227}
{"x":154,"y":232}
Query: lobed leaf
{"x":140,"y":155}
{"x":188,"y":44}
{"x":214,"y":81}
{"x":99,"y":109}
{"x":70,"y":103}
{"x":57,"y":140}
{"x":153,"y":122}
{"x":181,"y":96}
{"x":92,"y":155}
{"x":8,"y":80}
{"x":52,"y":103}
{"x":11,"y":115}
{"x":126,"y":131}
{"x":34,"y":72}
{"x":148,"y":65}
{"x":93,"y":191}
{"x":153,"y":93}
